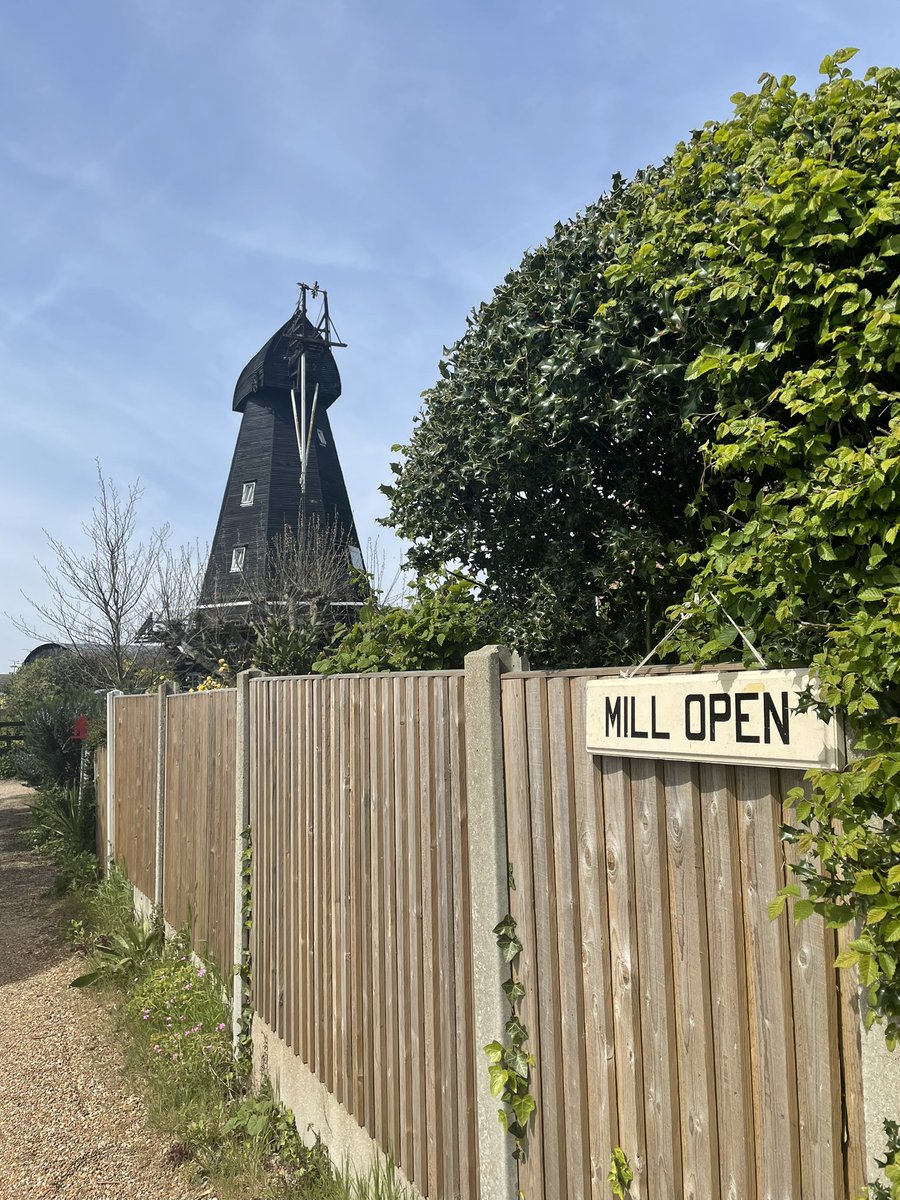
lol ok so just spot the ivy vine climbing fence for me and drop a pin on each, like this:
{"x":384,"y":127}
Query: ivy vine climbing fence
{"x":395,"y":821}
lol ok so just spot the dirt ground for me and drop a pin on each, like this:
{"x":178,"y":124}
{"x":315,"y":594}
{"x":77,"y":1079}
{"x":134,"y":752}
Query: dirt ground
{"x":69,"y":1126}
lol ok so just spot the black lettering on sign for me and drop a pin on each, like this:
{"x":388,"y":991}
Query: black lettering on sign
{"x":741,"y":718}
{"x":613,"y":712}
{"x":719,"y":711}
{"x":698,"y":734}
{"x":771,"y":715}
{"x":654,"y":732}
{"x":635,"y":732}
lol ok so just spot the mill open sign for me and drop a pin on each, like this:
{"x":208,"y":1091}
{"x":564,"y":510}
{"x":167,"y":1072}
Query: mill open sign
{"x":748,"y":718}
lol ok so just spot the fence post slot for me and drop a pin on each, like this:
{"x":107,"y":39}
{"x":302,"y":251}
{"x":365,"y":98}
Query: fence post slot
{"x":165,"y":690}
{"x":241,"y":940}
{"x":489,"y":879}
{"x":110,"y":850}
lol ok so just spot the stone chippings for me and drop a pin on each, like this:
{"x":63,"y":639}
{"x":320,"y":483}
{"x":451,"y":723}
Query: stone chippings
{"x":69,"y":1127}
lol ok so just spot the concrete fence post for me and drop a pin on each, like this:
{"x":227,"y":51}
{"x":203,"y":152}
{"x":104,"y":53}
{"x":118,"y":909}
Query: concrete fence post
{"x":165,"y":691}
{"x":489,"y":878}
{"x":110,"y":850}
{"x":241,"y":942}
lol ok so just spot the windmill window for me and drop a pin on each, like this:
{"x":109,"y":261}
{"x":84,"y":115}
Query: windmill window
{"x":248,"y":492}
{"x":237,"y":558}
{"x":356,"y":558}
{"x":322,"y":437}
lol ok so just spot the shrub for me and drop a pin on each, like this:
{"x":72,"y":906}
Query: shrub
{"x":51,"y":756}
{"x":443,"y":621}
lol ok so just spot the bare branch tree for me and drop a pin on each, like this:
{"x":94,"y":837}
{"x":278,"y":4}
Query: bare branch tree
{"x":99,"y":598}
{"x":302,"y":574}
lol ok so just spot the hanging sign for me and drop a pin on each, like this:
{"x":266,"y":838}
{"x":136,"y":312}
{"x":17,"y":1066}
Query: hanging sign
{"x":748,"y":718}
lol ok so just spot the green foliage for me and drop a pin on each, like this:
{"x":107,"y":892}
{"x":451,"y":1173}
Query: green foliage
{"x":509,"y":1063}
{"x":63,"y":819}
{"x":621,"y":1176}
{"x":50,"y":756}
{"x":179,"y":1022}
{"x":774,"y":237}
{"x":62,"y":826}
{"x":442,"y":622}
{"x":8,"y":768}
{"x":123,"y":958}
{"x":285,"y":648}
{"x":41,"y":680}
{"x":890,"y":1165}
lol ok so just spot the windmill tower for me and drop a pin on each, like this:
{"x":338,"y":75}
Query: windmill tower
{"x":285,"y":473}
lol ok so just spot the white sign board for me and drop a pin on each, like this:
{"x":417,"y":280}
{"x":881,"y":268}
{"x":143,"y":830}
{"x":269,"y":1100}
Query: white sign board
{"x":749,"y":718}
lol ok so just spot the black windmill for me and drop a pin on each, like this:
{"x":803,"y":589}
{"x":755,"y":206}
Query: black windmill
{"x":285,"y":472}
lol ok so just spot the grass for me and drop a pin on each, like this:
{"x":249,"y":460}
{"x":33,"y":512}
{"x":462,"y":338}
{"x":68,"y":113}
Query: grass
{"x":175,"y":1025}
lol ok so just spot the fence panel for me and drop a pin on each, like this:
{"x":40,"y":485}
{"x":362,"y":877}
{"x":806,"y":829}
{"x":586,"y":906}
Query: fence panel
{"x":198,"y":822}
{"x":134,"y":788}
{"x":667,"y":1013}
{"x":361,"y":935}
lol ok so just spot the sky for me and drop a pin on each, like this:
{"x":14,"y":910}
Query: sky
{"x":170,"y":169}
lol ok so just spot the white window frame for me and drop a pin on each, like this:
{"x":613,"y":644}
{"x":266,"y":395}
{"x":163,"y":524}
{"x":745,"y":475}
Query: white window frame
{"x":322,"y":438}
{"x":248,"y":493}
{"x":238,"y":557}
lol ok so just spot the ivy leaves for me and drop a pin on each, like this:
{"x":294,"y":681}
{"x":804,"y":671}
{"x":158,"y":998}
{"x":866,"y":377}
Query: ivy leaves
{"x":509,"y":1063}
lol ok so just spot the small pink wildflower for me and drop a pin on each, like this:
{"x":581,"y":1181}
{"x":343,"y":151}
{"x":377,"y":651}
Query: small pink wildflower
{"x":220,"y":1026}
{"x":201,"y":971}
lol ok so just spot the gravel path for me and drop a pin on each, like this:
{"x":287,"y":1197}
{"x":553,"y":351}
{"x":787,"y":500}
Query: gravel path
{"x":69,"y":1128}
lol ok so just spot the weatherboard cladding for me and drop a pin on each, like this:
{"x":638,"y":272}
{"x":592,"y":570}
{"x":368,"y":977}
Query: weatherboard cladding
{"x":266,"y":453}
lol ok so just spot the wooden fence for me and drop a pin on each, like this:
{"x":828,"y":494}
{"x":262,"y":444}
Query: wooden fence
{"x":362,"y":946}
{"x":134,"y":788}
{"x":198,"y":823}
{"x":667,"y":1015}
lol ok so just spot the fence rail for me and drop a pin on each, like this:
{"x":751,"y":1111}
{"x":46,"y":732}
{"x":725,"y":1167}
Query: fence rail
{"x":667,"y":1015}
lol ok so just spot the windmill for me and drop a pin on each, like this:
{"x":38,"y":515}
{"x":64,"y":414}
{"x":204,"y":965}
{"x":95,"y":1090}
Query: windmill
{"x":285,"y":477}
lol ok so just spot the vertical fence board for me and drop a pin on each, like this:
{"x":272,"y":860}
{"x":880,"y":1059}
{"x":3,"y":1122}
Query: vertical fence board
{"x":854,"y":1120}
{"x":768,"y":969}
{"x":725,"y":919}
{"x":656,"y":983}
{"x":813,"y":949}
{"x":554,"y":1132}
{"x":425,"y":774}
{"x":462,"y":941}
{"x":699,"y":1132}
{"x":522,"y":907}
{"x":600,"y":1062}
{"x":568,"y":924}
{"x":620,"y":883}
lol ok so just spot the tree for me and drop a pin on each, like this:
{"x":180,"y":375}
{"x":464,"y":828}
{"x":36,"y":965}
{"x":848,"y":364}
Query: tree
{"x":99,"y":597}
{"x":774,"y":236}
{"x":534,"y":465}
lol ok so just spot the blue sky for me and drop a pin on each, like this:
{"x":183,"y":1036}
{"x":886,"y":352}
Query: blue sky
{"x":169,"y":169}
